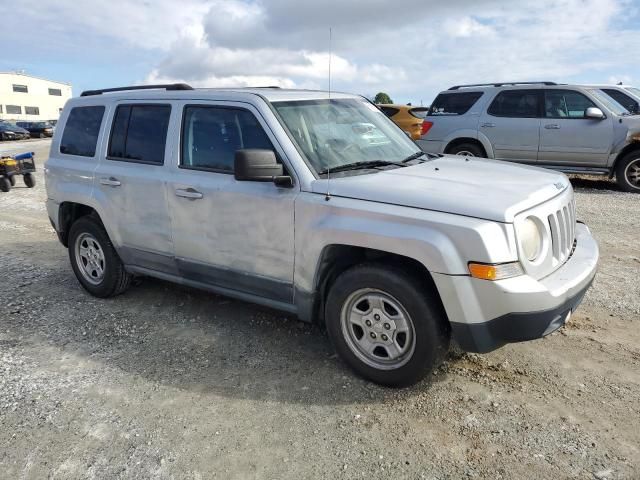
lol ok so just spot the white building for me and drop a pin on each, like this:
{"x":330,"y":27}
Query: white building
{"x":24,"y":97}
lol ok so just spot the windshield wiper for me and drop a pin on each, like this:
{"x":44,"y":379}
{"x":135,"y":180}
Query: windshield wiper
{"x":414,"y":156}
{"x":361,"y":165}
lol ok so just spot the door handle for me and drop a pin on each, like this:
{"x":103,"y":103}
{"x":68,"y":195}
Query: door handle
{"x":488,"y":125}
{"x":189,"y":193}
{"x":552,"y":126}
{"x":110,"y":182}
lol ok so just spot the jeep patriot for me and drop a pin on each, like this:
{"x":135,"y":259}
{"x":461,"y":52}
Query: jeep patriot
{"x":316,"y":204}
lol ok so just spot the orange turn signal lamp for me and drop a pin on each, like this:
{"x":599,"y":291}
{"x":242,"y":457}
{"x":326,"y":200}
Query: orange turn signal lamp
{"x":499,"y":271}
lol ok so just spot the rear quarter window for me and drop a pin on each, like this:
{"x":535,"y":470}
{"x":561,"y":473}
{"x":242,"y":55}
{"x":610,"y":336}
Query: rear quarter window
{"x":388,"y":111}
{"x":81,"y":131}
{"x":454,"y":103}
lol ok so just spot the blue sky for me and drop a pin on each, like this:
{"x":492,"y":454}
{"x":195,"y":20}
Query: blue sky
{"x":410,"y":49}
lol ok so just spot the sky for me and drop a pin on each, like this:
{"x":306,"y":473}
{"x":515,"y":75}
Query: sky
{"x":411,"y":49}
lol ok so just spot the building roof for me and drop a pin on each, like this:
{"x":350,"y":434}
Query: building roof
{"x":33,"y":76}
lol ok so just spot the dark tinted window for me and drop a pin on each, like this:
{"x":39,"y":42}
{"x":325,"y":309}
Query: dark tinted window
{"x":388,"y":111}
{"x":55,"y":91}
{"x":454,"y":103}
{"x":625,"y":100}
{"x":31,"y":110}
{"x":81,"y":131}
{"x":14,"y":109}
{"x":515,"y":103}
{"x":20,"y":88}
{"x":139,"y":133}
{"x":565,"y":104}
{"x":211,"y":136}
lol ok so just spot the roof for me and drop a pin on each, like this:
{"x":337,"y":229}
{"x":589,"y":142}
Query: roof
{"x":37,"y":78}
{"x":269,"y":93}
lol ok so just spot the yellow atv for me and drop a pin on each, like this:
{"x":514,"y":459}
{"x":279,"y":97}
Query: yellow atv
{"x":23,"y":164}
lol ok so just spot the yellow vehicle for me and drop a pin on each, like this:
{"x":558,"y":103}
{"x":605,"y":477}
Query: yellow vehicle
{"x":408,"y":118}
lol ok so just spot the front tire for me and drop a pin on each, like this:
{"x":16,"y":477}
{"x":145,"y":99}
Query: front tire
{"x":628,"y":172}
{"x":12,"y":180}
{"x":5,"y":184}
{"x":29,"y":180}
{"x":94,"y":260}
{"x":388,"y":326}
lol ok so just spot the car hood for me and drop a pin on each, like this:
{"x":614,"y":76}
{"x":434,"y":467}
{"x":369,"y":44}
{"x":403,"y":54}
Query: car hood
{"x":480,"y":188}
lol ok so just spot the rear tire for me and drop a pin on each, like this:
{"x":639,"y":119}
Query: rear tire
{"x":94,"y":260}
{"x":5,"y":184}
{"x":388,"y":326}
{"x":628,"y":172}
{"x":29,"y":180}
{"x":467,"y":150}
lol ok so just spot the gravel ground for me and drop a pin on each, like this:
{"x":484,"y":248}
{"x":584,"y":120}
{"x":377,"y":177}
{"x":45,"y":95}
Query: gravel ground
{"x":169,"y":382}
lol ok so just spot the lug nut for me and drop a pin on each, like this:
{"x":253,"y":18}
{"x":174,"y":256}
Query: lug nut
{"x":373,"y":335}
{"x":367,"y":323}
{"x":384,"y":337}
{"x":387,"y":326}
{"x":376,"y":316}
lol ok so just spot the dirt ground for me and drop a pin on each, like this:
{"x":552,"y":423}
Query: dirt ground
{"x":169,"y":382}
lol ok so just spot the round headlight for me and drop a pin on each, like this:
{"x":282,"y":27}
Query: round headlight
{"x":530,"y":239}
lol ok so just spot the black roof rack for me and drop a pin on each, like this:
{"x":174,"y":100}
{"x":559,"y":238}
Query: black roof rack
{"x":502,"y":84}
{"x":169,"y":86}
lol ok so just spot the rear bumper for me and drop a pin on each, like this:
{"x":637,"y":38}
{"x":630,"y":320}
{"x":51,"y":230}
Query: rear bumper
{"x":486,"y":315}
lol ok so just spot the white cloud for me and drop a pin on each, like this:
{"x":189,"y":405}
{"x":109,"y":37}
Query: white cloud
{"x":411,"y":50}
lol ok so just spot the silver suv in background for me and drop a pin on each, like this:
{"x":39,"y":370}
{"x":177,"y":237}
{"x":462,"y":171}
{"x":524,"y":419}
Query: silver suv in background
{"x":625,"y":95}
{"x":570,"y":128}
{"x":319,"y":205}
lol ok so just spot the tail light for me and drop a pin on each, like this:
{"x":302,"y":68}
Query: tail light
{"x":426,"y":126}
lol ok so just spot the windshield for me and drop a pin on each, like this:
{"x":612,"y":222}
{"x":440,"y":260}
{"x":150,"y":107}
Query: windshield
{"x":337,"y":132}
{"x":609,"y":102}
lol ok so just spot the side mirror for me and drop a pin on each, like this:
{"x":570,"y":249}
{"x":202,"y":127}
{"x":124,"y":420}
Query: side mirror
{"x":595,"y":113}
{"x":254,"y":165}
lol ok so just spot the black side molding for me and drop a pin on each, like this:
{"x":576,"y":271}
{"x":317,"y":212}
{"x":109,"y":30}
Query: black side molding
{"x":168,"y":86}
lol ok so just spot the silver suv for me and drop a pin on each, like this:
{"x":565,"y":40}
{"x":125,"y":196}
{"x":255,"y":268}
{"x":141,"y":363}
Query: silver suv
{"x":318,"y":205}
{"x":570,"y":128}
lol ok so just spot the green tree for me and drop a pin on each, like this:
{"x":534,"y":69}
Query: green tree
{"x":382,"y":98}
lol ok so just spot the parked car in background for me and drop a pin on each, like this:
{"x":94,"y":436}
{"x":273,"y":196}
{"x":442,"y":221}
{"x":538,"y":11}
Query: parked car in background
{"x":625,"y":95}
{"x":570,"y":128}
{"x":318,"y":205}
{"x":408,"y":118}
{"x":37,"y":129}
{"x":9,"y":131}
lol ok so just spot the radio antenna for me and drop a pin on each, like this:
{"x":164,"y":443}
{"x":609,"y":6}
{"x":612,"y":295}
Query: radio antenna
{"x":328,"y":195}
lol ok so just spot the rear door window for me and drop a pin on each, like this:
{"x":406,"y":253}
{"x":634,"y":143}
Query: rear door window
{"x":211,"y":135}
{"x":516,"y":104}
{"x":454,"y":103}
{"x":81,"y":131}
{"x":139,"y":133}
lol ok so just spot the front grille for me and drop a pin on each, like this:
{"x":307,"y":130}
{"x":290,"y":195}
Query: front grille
{"x":562,"y":224}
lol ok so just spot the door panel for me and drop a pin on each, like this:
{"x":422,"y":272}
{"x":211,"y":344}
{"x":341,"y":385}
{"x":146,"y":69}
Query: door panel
{"x":567,"y":137}
{"x":236,"y":235}
{"x":512,"y":125}
{"x":130,"y":184}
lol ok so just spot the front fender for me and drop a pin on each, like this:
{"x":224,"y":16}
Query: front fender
{"x":442,"y":242}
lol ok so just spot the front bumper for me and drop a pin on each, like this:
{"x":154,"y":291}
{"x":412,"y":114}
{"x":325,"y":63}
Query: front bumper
{"x":486,"y":315}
